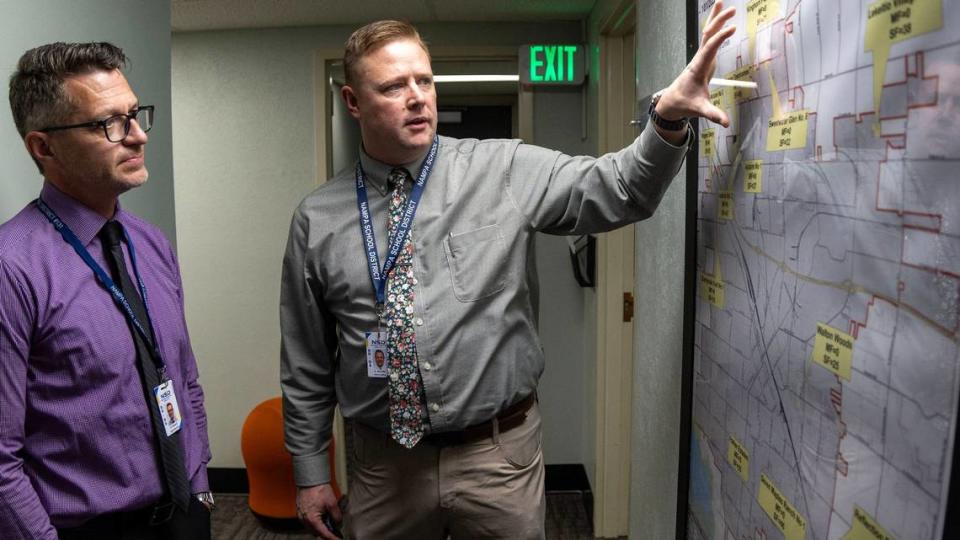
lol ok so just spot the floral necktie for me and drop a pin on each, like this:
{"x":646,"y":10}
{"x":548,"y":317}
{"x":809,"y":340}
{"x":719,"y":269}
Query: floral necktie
{"x":405,"y":385}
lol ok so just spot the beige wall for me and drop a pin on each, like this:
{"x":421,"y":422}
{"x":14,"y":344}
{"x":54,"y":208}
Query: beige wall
{"x":244,"y":145}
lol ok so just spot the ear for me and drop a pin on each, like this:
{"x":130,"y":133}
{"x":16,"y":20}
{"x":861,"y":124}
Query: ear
{"x":38,"y":146}
{"x":351,"y":100}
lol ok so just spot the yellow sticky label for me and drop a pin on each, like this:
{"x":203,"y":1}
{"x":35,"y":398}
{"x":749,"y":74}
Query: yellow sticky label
{"x":711,"y":289}
{"x":726,"y":205}
{"x":892,"y":21}
{"x":789,"y":132}
{"x":865,"y":527}
{"x":739,"y":459}
{"x":780,"y":511}
{"x":833,"y":350}
{"x":759,"y":13}
{"x":745,"y":73}
{"x":753,"y":175}
{"x":720,"y":97}
{"x":716,"y":98}
{"x":707,"y":141}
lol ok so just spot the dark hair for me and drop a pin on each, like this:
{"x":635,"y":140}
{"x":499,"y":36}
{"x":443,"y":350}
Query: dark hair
{"x":373,"y":36}
{"x":37,"y":98}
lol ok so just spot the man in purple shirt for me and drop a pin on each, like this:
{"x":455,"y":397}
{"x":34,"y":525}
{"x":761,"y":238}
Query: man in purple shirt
{"x":94,"y":347}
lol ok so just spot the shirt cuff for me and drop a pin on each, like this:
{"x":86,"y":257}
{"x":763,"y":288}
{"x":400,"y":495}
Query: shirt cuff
{"x":199,"y":483}
{"x":684,"y":146}
{"x":311,"y":470}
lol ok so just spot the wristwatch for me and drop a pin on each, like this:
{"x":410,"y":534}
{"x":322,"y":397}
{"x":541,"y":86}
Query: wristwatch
{"x":663,"y":123}
{"x":206,"y":498}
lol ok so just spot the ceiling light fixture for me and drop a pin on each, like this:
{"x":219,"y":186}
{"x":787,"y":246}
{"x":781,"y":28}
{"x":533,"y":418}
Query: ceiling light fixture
{"x":475,"y":78}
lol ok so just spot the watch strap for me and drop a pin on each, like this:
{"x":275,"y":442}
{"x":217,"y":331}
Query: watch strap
{"x":661,"y":122}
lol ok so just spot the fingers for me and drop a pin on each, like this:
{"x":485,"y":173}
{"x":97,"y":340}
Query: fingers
{"x":312,"y":504}
{"x":714,"y":114}
{"x":326,"y":534}
{"x":717,"y":6}
{"x":708,"y":51}
{"x":335,"y":513}
{"x":316,"y":526}
{"x":714,"y":24}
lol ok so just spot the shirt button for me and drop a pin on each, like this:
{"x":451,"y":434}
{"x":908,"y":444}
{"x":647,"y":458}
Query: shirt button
{"x":427,"y":366}
{"x":434,"y":407}
{"x":419,"y":321}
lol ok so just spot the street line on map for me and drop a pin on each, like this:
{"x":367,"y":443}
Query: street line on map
{"x":773,"y":375}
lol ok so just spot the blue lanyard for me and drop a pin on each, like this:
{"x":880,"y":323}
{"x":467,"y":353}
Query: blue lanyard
{"x":108,"y":283}
{"x":377,"y":276}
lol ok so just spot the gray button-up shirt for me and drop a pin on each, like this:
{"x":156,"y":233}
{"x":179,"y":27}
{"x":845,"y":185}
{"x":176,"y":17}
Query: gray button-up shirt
{"x":476,"y":294}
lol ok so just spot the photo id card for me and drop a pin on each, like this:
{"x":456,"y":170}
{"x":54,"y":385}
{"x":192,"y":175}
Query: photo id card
{"x":377,"y":367}
{"x":169,"y":410}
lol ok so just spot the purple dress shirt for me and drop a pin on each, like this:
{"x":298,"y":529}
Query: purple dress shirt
{"x":76,"y":438}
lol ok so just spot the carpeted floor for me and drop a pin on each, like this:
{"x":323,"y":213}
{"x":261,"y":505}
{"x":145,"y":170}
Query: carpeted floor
{"x":566,"y":520}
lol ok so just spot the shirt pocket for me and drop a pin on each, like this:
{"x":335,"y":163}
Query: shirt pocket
{"x":477,"y":261}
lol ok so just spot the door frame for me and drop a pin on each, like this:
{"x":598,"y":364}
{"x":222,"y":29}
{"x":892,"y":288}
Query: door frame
{"x":615,"y":278}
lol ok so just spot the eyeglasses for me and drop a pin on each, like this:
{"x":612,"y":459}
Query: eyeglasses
{"x":117,"y":127}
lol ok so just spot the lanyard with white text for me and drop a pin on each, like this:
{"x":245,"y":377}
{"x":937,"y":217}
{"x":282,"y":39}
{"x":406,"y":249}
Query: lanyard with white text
{"x":377,"y":276}
{"x":102,"y":276}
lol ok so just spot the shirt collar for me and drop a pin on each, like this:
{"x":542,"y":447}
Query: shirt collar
{"x":84,"y":222}
{"x":377,"y":171}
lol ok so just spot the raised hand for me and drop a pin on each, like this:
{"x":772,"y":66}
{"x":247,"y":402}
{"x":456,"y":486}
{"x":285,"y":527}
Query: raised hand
{"x":688,"y":96}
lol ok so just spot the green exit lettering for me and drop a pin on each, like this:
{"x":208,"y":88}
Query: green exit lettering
{"x":551,"y":63}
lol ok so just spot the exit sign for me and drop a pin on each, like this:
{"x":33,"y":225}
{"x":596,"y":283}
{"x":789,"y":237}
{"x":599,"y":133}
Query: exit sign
{"x":552,"y":64}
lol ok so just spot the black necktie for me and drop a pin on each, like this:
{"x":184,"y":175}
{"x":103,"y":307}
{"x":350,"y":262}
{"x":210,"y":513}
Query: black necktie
{"x":171,"y":453}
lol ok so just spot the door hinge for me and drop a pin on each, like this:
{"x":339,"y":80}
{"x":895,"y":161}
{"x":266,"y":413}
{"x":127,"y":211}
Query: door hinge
{"x":627,"y":307}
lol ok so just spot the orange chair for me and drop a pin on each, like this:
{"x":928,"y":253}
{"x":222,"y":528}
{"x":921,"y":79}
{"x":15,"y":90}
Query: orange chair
{"x":273,"y":494}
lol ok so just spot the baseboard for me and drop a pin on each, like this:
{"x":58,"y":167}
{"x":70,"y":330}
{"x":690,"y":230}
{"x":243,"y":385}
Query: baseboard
{"x":228,"y":479}
{"x":566,"y":477}
{"x":558,"y":478}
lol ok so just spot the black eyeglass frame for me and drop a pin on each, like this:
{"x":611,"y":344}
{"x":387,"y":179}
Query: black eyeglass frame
{"x":129,"y":117}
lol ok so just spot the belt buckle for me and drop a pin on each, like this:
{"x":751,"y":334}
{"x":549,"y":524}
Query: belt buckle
{"x":161,"y":514}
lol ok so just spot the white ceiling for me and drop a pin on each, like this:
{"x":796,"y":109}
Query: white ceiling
{"x":192,"y":15}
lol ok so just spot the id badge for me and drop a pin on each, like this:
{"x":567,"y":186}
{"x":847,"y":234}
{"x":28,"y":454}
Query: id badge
{"x":377,"y":367}
{"x":169,"y":409}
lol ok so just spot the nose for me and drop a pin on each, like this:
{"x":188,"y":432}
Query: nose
{"x":417,"y":96}
{"x":136,"y":136}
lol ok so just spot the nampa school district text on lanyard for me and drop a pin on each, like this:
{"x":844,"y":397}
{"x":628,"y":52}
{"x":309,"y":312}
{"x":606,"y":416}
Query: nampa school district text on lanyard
{"x":376,"y":342}
{"x":164,"y":393}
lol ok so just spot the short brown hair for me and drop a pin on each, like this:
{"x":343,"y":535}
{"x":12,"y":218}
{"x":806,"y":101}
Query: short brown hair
{"x":37,"y":98}
{"x":373,"y":36}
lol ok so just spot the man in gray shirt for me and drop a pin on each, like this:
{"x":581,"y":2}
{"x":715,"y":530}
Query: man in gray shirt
{"x":425,"y":251}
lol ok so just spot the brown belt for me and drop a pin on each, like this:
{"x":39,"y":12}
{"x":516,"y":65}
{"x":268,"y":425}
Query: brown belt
{"x":510,"y":418}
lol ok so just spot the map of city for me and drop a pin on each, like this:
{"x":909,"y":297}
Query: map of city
{"x":827,"y":353}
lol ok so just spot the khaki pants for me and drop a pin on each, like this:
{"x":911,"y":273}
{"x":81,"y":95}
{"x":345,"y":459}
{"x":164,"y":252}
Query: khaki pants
{"x":491,"y":489}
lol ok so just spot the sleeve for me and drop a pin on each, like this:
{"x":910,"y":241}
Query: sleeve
{"x":560,"y":194}
{"x":199,"y":483}
{"x":308,"y":350}
{"x":21,"y":514}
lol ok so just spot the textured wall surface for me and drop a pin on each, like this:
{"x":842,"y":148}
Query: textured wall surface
{"x":661,"y":30}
